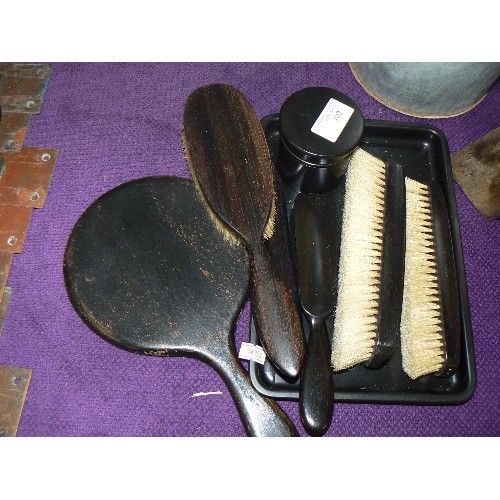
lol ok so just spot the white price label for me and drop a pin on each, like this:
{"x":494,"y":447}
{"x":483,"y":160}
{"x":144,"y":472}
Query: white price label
{"x":252,"y":352}
{"x":332,"y":120}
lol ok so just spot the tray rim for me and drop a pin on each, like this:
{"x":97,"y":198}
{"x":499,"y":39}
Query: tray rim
{"x":398,"y":397}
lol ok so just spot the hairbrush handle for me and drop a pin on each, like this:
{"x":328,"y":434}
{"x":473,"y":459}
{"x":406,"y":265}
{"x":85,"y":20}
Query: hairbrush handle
{"x":276,"y":316}
{"x":261,"y":416}
{"x":316,"y":380}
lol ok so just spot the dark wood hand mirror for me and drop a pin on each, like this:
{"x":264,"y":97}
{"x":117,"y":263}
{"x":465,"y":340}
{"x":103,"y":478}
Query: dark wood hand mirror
{"x":146,"y":269}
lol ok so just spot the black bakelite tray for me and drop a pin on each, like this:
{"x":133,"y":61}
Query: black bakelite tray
{"x":422,"y":151}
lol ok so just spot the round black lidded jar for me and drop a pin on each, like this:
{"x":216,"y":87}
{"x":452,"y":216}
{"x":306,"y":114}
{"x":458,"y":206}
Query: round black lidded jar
{"x":319,"y":130}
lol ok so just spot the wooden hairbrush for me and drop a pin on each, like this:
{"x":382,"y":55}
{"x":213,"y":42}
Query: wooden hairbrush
{"x":230,"y":162}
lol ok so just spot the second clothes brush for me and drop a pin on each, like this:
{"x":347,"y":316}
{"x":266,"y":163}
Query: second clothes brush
{"x":430,"y":321}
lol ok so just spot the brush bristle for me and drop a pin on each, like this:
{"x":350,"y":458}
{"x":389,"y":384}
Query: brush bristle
{"x":360,"y":264}
{"x":422,"y":341}
{"x":228,"y":235}
{"x":271,"y":221}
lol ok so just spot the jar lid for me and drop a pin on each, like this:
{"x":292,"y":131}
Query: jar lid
{"x":320,"y":126}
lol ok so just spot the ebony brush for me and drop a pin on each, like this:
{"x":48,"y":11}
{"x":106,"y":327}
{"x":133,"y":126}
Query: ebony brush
{"x":230,"y":161}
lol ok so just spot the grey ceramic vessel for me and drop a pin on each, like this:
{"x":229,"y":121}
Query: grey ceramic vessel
{"x":427,"y":89}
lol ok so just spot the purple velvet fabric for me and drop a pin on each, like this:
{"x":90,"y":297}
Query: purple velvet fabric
{"x":117,"y":122}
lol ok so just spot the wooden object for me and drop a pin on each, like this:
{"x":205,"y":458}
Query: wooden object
{"x":392,"y":267}
{"x":148,"y":271}
{"x":229,"y":158}
{"x":476,"y":169}
{"x":430,"y":319}
{"x":318,"y":222}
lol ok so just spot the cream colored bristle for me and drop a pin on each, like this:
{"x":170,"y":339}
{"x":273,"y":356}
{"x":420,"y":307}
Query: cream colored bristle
{"x":228,"y":235}
{"x":360,"y":264}
{"x":422,"y":344}
{"x":271,"y":221}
